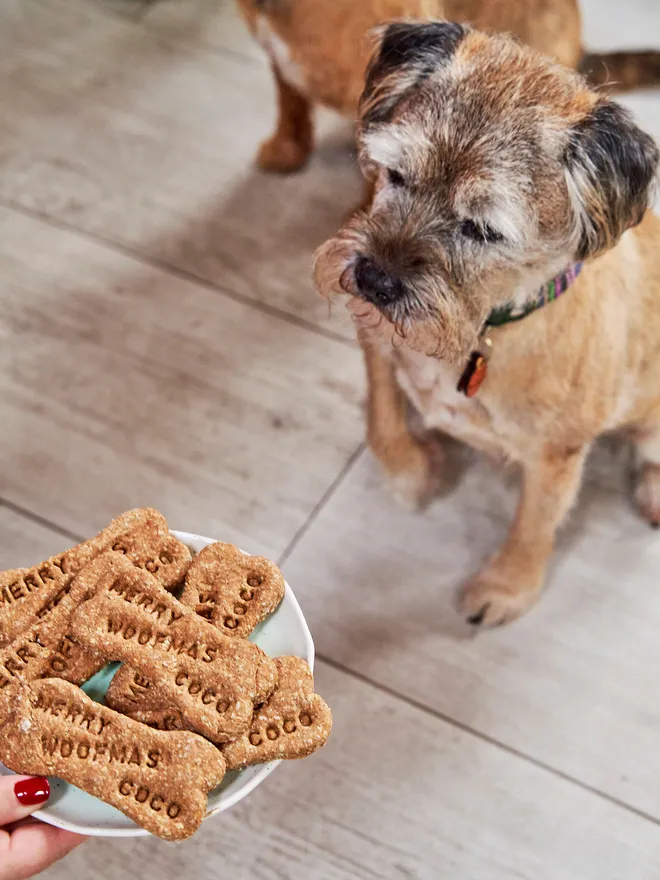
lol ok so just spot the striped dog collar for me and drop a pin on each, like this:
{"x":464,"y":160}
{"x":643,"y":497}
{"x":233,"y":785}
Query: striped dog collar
{"x":476,"y":369}
{"x":550,"y":291}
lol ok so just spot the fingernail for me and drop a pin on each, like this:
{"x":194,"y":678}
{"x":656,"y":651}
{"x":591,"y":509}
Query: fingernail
{"x":32,"y":791}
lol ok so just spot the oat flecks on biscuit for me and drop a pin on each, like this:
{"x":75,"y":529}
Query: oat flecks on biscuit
{"x":153,"y":549}
{"x":27,"y":594}
{"x":293,"y":723}
{"x":159,"y":780}
{"x":233,"y":591}
{"x":46,"y":649}
{"x":147,"y":548}
{"x":214,"y":681}
{"x":132,"y":694}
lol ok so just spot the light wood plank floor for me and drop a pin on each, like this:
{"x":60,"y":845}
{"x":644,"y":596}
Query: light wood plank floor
{"x":161,"y":344}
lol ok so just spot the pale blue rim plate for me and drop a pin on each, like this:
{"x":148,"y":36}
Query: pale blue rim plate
{"x":285,"y":632}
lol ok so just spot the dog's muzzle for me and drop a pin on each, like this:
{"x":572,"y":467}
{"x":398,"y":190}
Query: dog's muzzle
{"x":376,"y":285}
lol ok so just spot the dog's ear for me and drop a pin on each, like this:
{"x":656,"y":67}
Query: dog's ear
{"x":610,"y":169}
{"x":406,"y":54}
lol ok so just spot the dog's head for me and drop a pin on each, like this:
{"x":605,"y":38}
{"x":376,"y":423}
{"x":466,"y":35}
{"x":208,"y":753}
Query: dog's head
{"x":494,"y":168}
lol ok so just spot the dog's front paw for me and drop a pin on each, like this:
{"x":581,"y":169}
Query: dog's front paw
{"x":282,"y":156}
{"x":488,"y":601}
{"x":415,"y":476}
{"x":647,"y":493}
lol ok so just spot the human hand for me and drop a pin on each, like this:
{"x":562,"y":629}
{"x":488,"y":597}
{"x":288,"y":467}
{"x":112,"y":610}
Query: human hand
{"x":28,"y":846}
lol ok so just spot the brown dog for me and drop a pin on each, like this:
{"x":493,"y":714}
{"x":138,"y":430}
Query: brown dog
{"x":319,"y":51}
{"x":498,"y":174}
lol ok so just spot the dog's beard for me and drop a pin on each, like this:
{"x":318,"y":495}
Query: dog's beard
{"x":432,"y":320}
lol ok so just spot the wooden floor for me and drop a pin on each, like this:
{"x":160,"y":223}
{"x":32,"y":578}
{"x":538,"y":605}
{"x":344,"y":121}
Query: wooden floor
{"x":160,"y":343}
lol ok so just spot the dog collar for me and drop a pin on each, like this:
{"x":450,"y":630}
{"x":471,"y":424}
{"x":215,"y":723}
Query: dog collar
{"x":548,"y":293}
{"x":475,"y":371}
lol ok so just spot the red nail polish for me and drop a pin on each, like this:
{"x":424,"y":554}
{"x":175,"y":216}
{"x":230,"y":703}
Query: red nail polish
{"x":32,"y":791}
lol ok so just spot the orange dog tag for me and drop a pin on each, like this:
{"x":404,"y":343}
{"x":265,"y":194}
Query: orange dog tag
{"x":473,"y":375}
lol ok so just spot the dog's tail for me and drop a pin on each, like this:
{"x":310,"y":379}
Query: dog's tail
{"x":618,"y":72}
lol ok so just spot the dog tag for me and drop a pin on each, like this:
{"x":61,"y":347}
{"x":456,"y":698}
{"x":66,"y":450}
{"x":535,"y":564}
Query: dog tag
{"x":473,"y":375}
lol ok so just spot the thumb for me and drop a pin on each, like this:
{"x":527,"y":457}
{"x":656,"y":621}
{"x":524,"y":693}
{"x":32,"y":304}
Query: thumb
{"x":20,"y":796}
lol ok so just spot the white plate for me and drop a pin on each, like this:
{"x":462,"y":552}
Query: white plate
{"x":283,"y":632}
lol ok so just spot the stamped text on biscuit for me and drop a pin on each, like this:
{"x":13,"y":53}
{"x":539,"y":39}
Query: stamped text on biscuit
{"x":92,"y":737}
{"x":213,"y":680}
{"x":158,"y":635}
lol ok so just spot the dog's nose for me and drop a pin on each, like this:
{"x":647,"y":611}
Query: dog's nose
{"x":375,"y":284}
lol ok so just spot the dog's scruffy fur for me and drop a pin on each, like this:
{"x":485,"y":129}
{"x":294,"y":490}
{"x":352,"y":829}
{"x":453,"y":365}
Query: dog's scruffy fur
{"x":319,"y":51}
{"x":494,"y":169}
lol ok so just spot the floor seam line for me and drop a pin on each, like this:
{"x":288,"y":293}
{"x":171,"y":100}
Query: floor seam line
{"x":26,"y":513}
{"x":176,"y":272}
{"x":321,"y":503}
{"x":483,"y":737}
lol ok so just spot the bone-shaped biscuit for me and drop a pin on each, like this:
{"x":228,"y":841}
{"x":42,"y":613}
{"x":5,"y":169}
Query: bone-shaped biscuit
{"x":27,"y":594}
{"x":160,"y":780}
{"x":47,"y":644}
{"x":45,"y":650}
{"x":147,"y":548}
{"x":232,"y":591}
{"x":213,"y":680}
{"x":155,"y":550}
{"x":292,"y":723}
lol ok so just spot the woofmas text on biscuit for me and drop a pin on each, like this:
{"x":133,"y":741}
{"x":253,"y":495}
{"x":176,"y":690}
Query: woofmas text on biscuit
{"x":28,"y":594}
{"x":292,"y":723}
{"x":232,"y":590}
{"x":146,"y":548}
{"x":159,"y":780}
{"x":214,"y":681}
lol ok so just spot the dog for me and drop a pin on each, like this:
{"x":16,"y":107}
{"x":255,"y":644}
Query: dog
{"x":505,"y":280}
{"x":319,"y":51}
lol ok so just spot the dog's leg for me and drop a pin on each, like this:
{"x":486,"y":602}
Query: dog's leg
{"x":512,"y":581}
{"x":647,"y":477}
{"x":411,"y":466}
{"x":289,"y":148}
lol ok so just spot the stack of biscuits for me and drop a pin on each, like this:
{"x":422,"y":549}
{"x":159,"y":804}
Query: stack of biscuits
{"x":193,"y":697}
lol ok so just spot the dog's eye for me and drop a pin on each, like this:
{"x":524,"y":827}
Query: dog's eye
{"x":395,"y":177}
{"x":480,"y":232}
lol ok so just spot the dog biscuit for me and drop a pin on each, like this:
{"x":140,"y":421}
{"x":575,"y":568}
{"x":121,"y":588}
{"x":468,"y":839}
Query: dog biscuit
{"x":146,"y":548}
{"x":27,"y":594}
{"x":292,"y":723}
{"x":45,"y":650}
{"x":213,"y":680}
{"x":232,"y":591}
{"x":159,"y":780}
{"x":153,"y":549}
{"x":132,"y":694}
